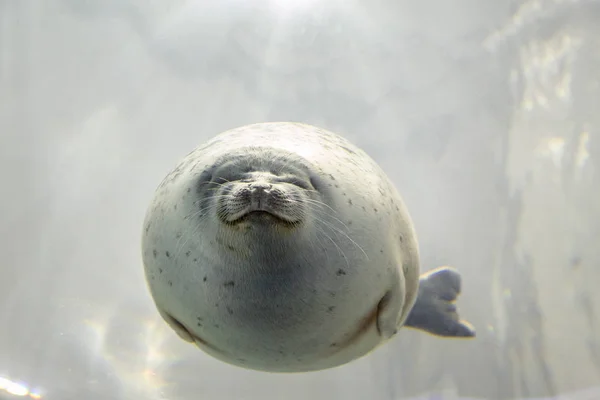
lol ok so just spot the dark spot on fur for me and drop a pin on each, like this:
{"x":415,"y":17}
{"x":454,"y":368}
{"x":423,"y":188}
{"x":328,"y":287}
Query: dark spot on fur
{"x":216,"y":326}
{"x":167,"y":254}
{"x":337,"y":186}
{"x":347,"y":150}
{"x":333,"y":344}
{"x":175,"y":207}
{"x":374,"y":209}
{"x":195,"y":260}
{"x":154,"y":253}
{"x":364,"y":209}
{"x":187,"y":253}
{"x":230,"y":247}
{"x":349,"y":222}
{"x":332,"y":294}
{"x":204,"y":279}
{"x":160,"y":270}
{"x":330,"y":308}
{"x":401,"y":238}
{"x":340,"y":272}
{"x":350,"y":201}
{"x":381,"y":251}
{"x":343,"y":193}
{"x":188,"y":190}
{"x":170,"y":283}
{"x":229,"y":310}
{"x":242,"y":360}
{"x":229,"y":284}
{"x":178,"y":235}
{"x":332,"y":177}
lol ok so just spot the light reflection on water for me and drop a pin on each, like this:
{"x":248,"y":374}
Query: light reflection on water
{"x":15,"y":389}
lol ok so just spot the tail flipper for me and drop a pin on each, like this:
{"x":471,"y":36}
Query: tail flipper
{"x":435,"y":311}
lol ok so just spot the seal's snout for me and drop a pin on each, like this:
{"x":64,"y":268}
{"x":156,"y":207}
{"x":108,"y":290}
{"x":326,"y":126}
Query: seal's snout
{"x":259,"y":187}
{"x":260,"y":194}
{"x":263,"y":200}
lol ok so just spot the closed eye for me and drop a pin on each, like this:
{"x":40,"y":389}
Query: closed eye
{"x":292,"y":180}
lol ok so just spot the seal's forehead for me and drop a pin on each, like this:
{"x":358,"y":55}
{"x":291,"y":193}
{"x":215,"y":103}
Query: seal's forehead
{"x":263,"y":157}
{"x":275,"y":146}
{"x":284,"y":140}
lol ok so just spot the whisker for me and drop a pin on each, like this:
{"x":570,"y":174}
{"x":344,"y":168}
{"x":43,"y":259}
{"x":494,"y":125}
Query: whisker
{"x":336,"y":246}
{"x":340,"y":231}
{"x":185,"y":237}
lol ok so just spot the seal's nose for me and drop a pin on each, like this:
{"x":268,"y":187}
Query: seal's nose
{"x":259,"y":187}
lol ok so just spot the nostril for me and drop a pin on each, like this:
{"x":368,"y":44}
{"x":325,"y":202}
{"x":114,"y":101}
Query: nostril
{"x":260,"y":186}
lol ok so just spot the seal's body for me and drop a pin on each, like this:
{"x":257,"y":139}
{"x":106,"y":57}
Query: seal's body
{"x":283,"y":247}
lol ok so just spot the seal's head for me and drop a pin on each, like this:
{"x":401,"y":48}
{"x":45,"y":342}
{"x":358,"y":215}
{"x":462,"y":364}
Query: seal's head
{"x":259,"y":190}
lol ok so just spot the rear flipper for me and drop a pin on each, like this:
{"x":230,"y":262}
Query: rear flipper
{"x":435,"y":311}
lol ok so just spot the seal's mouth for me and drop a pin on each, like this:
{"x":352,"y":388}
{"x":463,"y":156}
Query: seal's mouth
{"x":263,"y":217}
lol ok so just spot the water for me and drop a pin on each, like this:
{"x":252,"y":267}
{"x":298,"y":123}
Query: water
{"x":483,"y":113}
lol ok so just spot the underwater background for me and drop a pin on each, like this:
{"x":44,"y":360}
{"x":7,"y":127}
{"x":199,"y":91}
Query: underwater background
{"x":484,"y":113}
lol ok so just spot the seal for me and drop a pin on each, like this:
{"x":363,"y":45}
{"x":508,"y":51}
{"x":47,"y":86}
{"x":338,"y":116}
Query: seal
{"x":283,"y":247}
